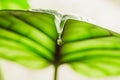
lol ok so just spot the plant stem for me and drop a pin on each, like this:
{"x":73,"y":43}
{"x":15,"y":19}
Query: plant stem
{"x":57,"y":62}
{"x":56,"y":72}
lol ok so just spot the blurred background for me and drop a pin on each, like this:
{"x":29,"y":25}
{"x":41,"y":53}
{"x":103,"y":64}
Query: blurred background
{"x":105,"y":13}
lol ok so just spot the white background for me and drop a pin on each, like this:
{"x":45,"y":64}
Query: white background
{"x":105,"y":13}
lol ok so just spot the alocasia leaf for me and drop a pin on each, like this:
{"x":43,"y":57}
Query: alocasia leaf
{"x":14,"y":4}
{"x":38,"y":39}
{"x":27,"y":37}
{"x":90,"y":49}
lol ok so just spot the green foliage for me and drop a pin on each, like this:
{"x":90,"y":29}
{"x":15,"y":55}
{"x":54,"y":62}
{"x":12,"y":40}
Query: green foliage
{"x":90,"y":49}
{"x":33,"y":40}
{"x":14,"y":4}
{"x":28,"y":35}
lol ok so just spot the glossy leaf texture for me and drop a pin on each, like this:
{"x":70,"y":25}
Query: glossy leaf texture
{"x":14,"y":4}
{"x":90,"y":50}
{"x":27,"y":37}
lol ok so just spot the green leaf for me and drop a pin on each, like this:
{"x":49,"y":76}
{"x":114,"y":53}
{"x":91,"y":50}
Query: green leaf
{"x":90,"y":49}
{"x":27,"y":37}
{"x":37,"y":39}
{"x":14,"y":4}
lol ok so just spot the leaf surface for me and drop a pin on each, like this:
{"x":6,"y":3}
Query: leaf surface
{"x":90,"y":49}
{"x":14,"y":4}
{"x":27,"y":37}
